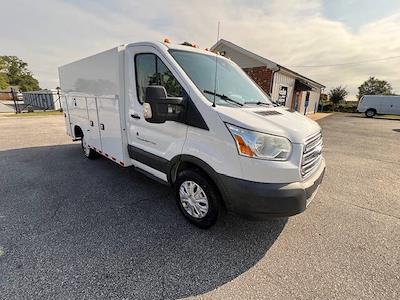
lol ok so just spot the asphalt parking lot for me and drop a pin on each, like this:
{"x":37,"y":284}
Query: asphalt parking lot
{"x":75,"y":228}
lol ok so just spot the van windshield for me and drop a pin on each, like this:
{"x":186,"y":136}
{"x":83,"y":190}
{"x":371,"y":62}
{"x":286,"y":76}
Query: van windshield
{"x":232,"y":83}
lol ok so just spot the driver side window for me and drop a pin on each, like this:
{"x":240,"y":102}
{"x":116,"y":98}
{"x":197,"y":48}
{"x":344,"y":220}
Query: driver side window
{"x":150,"y":70}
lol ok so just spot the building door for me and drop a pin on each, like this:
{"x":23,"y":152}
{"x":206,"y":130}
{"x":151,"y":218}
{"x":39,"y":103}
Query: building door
{"x":296,"y":103}
{"x":306,"y":102}
{"x":283,"y":93}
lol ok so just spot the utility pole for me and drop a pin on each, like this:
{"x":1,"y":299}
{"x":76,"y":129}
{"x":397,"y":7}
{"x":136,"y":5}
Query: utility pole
{"x":59,"y":98}
{"x":15,"y":101}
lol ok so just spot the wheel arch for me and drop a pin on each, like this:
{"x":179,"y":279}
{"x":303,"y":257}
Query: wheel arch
{"x":184,"y":161}
{"x":78,"y":132}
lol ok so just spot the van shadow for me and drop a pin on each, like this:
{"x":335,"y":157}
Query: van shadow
{"x":75,"y":228}
{"x":355,"y":115}
{"x":379,"y":117}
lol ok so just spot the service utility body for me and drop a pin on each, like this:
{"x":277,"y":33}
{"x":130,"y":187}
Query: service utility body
{"x":193,"y":119}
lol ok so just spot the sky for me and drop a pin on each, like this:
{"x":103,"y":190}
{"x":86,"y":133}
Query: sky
{"x":302,"y":34}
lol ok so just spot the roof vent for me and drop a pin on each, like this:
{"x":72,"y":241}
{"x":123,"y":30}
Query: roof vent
{"x":289,"y":109}
{"x":268,"y":112}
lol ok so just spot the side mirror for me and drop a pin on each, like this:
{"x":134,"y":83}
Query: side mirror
{"x":158,"y":107}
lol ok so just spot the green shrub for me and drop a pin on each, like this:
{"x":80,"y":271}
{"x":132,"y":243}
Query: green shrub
{"x":349,"y":107}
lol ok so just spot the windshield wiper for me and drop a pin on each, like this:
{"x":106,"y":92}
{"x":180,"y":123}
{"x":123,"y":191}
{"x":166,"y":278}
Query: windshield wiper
{"x":223,"y":97}
{"x":259,"y":103}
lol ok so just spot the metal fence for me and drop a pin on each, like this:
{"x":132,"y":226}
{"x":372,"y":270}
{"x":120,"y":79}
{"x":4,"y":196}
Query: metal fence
{"x":46,"y":99}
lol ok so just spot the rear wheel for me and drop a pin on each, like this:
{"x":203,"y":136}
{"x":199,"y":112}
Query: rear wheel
{"x":87,"y":151}
{"x":370,"y":113}
{"x":197,"y":198}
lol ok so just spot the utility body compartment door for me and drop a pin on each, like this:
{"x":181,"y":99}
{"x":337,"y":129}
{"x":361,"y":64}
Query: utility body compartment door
{"x":77,"y":112}
{"x":110,"y":127}
{"x":93,"y":131}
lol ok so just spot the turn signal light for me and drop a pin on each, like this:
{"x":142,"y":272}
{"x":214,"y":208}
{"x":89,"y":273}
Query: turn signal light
{"x":244,"y":149}
{"x":167,"y":41}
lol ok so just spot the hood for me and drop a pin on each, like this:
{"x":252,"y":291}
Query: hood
{"x":273,"y":120}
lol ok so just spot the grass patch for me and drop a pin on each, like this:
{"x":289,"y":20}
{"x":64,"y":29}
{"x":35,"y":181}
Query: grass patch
{"x":37,"y":114}
{"x":388,"y":117}
{"x":382,"y":117}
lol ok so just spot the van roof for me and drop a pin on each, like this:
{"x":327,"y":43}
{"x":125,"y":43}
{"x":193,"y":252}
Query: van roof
{"x":172,"y":46}
{"x":157,"y":44}
{"x":380,"y":96}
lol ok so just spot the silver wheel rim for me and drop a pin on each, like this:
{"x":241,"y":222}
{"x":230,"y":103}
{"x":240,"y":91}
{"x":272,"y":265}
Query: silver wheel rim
{"x":370,"y":113}
{"x":193,"y":199}
{"x":86,"y":149}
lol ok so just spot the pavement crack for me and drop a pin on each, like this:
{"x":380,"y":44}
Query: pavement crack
{"x":373,"y":210}
{"x":366,"y":208}
{"x":142,"y":200}
{"x":150,"y":198}
{"x":163,"y":279}
{"x":385,"y":161}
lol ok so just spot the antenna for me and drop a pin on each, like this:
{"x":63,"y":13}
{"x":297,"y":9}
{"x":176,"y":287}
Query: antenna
{"x":216,"y":67}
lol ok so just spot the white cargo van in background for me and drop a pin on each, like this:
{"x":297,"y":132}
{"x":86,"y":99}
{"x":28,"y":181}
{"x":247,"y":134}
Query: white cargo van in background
{"x":194,"y":120}
{"x":372,"y":105}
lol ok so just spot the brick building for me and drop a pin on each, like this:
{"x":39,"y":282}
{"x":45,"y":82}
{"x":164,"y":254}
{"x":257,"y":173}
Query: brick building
{"x":283,"y":85}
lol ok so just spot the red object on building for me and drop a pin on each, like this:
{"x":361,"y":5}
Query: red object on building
{"x":262,"y":76}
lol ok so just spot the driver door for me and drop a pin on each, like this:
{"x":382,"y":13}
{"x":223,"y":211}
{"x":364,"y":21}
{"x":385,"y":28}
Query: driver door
{"x":151,"y":146}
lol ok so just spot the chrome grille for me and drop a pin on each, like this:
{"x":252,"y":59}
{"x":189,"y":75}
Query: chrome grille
{"x":311,"y":154}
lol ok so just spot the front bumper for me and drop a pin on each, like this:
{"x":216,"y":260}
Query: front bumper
{"x":257,"y":199}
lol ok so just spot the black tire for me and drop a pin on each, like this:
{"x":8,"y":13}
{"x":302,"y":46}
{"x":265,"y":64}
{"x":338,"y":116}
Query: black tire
{"x":211,"y":192}
{"x":370,"y":113}
{"x":87,"y":151}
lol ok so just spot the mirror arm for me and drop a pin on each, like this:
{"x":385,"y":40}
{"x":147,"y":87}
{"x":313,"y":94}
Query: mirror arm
{"x":172,"y":100}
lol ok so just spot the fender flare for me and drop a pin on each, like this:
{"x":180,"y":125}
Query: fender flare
{"x":205,"y":167}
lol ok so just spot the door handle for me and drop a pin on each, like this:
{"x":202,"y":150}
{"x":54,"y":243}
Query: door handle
{"x":135,"y":116}
{"x":102,"y":126}
{"x":91,"y":123}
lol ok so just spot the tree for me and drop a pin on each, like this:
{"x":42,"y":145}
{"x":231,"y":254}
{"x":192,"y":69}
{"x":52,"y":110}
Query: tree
{"x":3,"y":75}
{"x":3,"y":81}
{"x":374,"y":86}
{"x":17,"y":73}
{"x":337,"y":95}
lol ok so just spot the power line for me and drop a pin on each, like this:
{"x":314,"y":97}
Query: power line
{"x":348,"y":63}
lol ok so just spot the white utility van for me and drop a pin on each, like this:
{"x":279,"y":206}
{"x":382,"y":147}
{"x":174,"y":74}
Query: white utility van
{"x":194,"y":120}
{"x":379,"y":104}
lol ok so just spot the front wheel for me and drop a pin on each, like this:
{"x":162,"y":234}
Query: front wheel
{"x":370,"y":113}
{"x":87,"y":151}
{"x":197,"y":198}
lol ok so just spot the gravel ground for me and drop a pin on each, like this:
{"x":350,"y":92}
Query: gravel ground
{"x":74,"y":228}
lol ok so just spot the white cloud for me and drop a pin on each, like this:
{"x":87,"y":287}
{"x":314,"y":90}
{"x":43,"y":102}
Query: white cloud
{"x":289,"y":32}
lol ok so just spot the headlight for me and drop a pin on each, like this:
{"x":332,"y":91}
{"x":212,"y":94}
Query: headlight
{"x":260,"y":145}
